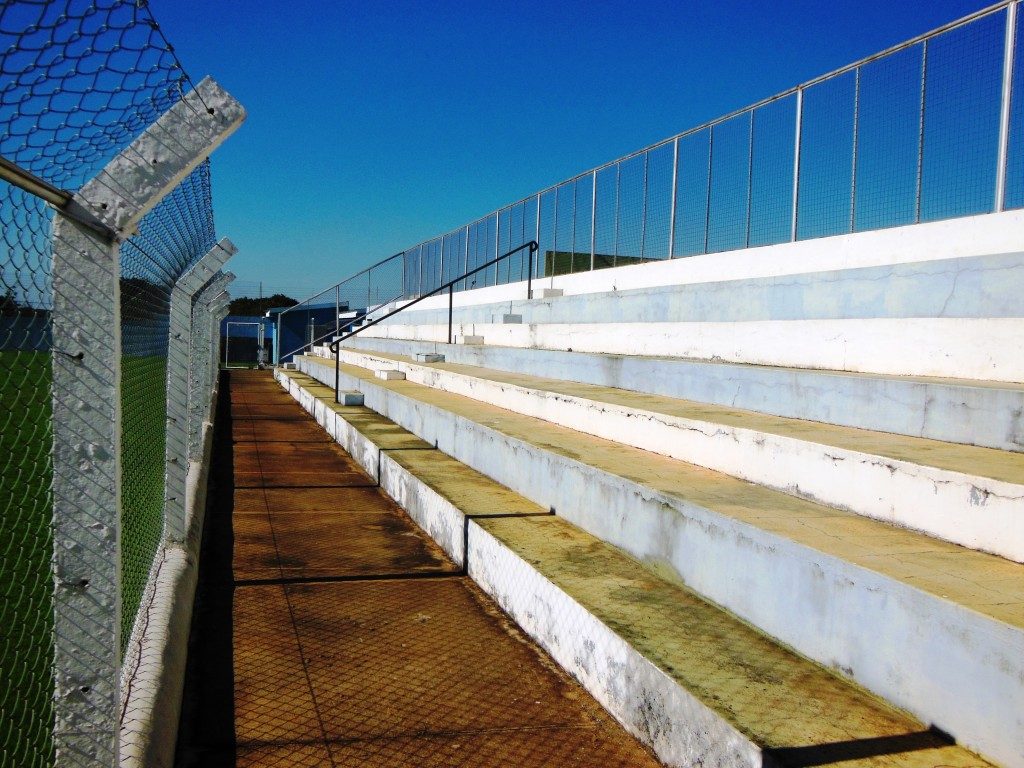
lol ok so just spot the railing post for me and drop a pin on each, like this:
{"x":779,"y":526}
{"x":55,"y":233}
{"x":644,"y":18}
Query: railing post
{"x":707,"y":200}
{"x":796,"y":163}
{"x":856,"y":141}
{"x":451,"y":301}
{"x":440,"y":263}
{"x":593,"y":218}
{"x":337,"y":369}
{"x":920,"y":132}
{"x":86,"y":329}
{"x":536,"y":239}
{"x":1004,"y":111}
{"x":672,"y":215}
{"x":750,"y":177}
{"x":534,"y":247}
{"x":643,"y":213}
{"x":618,"y":192}
{"x":178,"y":390}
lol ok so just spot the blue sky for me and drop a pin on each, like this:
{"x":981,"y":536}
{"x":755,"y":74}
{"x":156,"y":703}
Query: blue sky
{"x":375,"y":125}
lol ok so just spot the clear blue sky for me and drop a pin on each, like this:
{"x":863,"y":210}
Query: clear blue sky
{"x":375,"y":125}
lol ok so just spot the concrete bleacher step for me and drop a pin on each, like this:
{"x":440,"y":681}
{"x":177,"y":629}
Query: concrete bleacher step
{"x":697,"y":684}
{"x":971,"y":348}
{"x":975,"y":495}
{"x":989,"y":414}
{"x":910,"y":617}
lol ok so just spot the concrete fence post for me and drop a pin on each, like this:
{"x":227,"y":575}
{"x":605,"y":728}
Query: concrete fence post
{"x":86,"y":324}
{"x":200,"y":359}
{"x":179,"y":363}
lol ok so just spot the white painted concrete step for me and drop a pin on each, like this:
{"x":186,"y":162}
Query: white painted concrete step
{"x":975,"y":496}
{"x":981,"y":413}
{"x":969,"y":348}
{"x":932,"y":627}
{"x":695,"y":683}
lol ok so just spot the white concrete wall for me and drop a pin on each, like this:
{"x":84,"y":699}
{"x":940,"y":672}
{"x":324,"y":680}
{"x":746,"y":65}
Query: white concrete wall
{"x":953,"y":238}
{"x":965,"y":348}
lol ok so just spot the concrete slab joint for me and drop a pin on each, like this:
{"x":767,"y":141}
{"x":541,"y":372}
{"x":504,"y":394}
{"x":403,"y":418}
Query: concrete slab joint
{"x":87,"y":415}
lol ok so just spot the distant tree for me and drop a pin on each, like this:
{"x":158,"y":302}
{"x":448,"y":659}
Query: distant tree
{"x":250,"y":307}
{"x":9,"y":304}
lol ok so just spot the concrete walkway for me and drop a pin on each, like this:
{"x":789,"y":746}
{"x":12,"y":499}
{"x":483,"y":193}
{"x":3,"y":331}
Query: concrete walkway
{"x":329,"y":630}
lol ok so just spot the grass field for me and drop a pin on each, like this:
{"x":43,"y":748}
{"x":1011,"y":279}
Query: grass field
{"x":26,"y":544}
{"x":143,"y":445}
{"x":26,"y":605}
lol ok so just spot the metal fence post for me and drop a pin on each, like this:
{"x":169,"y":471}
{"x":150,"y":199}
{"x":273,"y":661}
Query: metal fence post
{"x":593,"y":218}
{"x":920,"y":132}
{"x":87,"y":416}
{"x":796,"y":163}
{"x":750,"y":177}
{"x":1004,"y":111}
{"x":856,"y":140}
{"x":707,"y":200}
{"x":178,"y":390}
{"x":672,"y":215}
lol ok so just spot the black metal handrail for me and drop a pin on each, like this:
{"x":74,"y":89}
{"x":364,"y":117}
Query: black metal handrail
{"x":335,"y":345}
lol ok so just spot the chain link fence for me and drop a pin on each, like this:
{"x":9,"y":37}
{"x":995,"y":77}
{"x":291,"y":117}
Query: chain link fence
{"x":930,"y":129}
{"x":80,"y":82}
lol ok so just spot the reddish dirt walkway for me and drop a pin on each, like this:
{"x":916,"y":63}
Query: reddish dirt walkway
{"x":330,"y":631}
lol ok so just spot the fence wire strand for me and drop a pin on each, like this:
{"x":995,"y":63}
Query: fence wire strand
{"x":79,"y":80}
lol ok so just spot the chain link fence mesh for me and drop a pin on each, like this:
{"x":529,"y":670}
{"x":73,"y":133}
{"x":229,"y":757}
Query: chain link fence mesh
{"x":171,"y":238}
{"x":79,"y":81}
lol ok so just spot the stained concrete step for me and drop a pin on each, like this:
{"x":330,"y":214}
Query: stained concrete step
{"x":692,"y":681}
{"x":970,"y":348}
{"x":976,"y":495}
{"x":910,"y":617}
{"x":980,"y":413}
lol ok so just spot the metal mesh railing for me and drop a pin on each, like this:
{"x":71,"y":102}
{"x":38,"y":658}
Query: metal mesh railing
{"x":929,"y":129}
{"x":79,"y":81}
{"x":323,"y":315}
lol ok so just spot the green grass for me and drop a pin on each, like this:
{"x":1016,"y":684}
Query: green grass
{"x":143,"y":445}
{"x":26,"y":544}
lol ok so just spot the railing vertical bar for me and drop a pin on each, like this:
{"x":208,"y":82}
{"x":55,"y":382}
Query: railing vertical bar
{"x":750,"y":175}
{"x":643,"y":208}
{"x":497,"y":244}
{"x":707,"y":200}
{"x":575,"y":219}
{"x":593,"y":217}
{"x":1004,"y":111}
{"x":796,"y":164}
{"x":920,"y":132}
{"x":536,"y":239}
{"x":856,"y":143}
{"x":440,"y":264}
{"x":672,"y":214}
{"x":465,"y":257}
{"x":618,"y":196}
